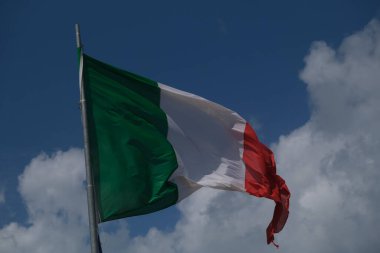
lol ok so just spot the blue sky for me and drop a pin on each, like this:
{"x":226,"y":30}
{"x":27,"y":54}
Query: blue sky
{"x":258,"y":58}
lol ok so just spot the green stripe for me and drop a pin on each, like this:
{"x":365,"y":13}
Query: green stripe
{"x":130,"y":155}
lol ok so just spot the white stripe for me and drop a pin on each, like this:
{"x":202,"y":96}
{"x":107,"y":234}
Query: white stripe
{"x":208,"y":141}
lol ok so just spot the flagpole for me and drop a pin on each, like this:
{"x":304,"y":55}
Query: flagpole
{"x":93,"y":224}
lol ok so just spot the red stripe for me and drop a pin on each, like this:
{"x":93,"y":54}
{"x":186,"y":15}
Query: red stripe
{"x":261,"y":180}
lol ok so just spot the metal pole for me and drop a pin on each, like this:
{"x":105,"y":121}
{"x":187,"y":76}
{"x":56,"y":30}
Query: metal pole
{"x":90,"y":188}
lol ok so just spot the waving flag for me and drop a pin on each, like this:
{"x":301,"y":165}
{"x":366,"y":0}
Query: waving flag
{"x":152,"y":145}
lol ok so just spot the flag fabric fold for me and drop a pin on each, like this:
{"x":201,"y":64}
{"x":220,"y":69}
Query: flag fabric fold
{"x":152,"y":145}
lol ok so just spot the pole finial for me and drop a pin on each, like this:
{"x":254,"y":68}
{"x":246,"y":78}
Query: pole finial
{"x":79,"y":43}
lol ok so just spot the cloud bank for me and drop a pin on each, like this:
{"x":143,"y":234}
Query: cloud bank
{"x":332,"y":162}
{"x":331,"y":165}
{"x":53,"y":192}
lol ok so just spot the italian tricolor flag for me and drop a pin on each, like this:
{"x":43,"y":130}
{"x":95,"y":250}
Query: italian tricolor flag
{"x":152,"y":145}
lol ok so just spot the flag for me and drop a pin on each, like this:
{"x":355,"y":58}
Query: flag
{"x":152,"y":145}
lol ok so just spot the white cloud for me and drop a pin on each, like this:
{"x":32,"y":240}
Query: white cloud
{"x":52,"y":188}
{"x":331,"y":165}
